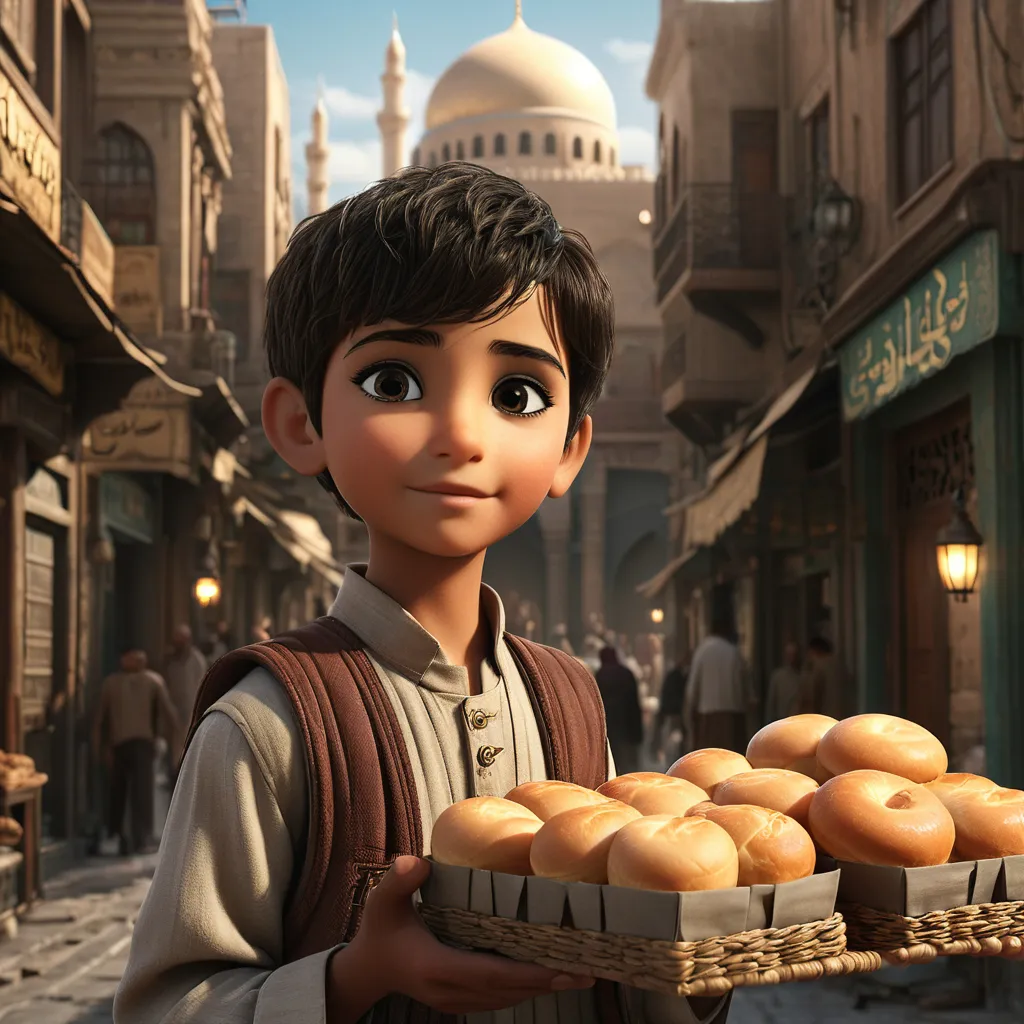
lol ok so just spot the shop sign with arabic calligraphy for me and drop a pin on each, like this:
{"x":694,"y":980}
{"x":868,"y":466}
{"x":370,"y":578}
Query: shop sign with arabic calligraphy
{"x":961,"y":303}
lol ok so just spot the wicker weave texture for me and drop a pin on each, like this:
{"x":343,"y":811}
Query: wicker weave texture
{"x":957,"y":932}
{"x":706,"y":968}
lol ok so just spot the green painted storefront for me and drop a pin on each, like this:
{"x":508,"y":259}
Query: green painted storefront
{"x":954,"y":337}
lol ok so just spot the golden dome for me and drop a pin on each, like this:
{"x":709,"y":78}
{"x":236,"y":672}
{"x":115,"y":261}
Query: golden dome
{"x":521,"y":71}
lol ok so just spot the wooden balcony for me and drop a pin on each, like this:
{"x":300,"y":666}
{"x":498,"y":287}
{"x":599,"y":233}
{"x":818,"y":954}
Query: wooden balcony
{"x":721,"y":248}
{"x":82,"y":234}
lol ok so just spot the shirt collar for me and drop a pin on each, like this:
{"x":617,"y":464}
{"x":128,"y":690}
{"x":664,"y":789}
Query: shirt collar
{"x":394,"y":636}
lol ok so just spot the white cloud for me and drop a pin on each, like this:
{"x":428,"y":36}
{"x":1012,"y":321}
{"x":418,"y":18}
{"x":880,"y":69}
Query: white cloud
{"x":350,"y":106}
{"x":355,"y":163}
{"x":637,"y":146}
{"x":633,"y":52}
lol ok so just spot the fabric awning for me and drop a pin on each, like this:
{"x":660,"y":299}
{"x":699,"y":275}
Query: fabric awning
{"x":723,"y":504}
{"x":651,"y":588}
{"x":297,"y":533}
{"x":46,"y":280}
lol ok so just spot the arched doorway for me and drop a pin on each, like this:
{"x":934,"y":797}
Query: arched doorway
{"x":630,"y":611}
{"x":515,"y":568}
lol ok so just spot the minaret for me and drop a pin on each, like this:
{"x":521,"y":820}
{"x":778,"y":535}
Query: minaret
{"x":318,"y":179}
{"x":393,"y":120}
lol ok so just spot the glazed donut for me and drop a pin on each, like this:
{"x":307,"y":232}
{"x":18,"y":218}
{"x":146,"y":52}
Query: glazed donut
{"x":775,"y":788}
{"x":872,"y":817}
{"x":882,"y":743}
{"x":989,"y":819}
{"x":704,"y":768}
{"x":653,"y":793}
{"x":791,"y":743}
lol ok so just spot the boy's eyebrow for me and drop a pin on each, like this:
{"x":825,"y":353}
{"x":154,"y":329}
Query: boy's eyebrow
{"x":515,"y":348}
{"x":431,"y":339}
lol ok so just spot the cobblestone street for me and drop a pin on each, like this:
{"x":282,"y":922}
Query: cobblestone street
{"x":65,"y":963}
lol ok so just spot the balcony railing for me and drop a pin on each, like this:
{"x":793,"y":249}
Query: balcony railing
{"x":71,"y":218}
{"x":718,"y":227}
{"x":82,"y":234}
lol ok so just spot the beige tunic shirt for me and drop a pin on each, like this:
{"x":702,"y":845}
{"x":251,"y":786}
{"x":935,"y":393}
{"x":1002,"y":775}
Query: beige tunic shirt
{"x":208,"y":942}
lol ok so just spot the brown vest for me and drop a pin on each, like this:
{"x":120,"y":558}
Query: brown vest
{"x":358,"y":766}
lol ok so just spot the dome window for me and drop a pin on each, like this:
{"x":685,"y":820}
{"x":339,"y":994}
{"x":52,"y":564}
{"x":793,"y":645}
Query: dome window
{"x":550,"y":146}
{"x":499,"y":144}
{"x":525,"y":144}
{"x":460,"y":150}
{"x":446,"y":152}
{"x":577,"y":148}
{"x":597,"y":152}
{"x":478,"y":145}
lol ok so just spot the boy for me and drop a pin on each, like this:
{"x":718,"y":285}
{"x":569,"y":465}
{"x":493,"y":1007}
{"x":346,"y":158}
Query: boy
{"x":436,"y":343}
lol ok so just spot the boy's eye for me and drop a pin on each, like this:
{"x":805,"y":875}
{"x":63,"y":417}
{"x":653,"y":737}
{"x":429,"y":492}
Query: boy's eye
{"x":519,"y":397}
{"x":391,"y":384}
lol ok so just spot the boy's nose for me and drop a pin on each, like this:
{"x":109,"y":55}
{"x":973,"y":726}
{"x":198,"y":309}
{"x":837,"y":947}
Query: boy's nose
{"x":458,"y":434}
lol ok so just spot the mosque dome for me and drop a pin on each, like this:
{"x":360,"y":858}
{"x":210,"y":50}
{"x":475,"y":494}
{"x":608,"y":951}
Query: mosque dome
{"x":520,"y":71}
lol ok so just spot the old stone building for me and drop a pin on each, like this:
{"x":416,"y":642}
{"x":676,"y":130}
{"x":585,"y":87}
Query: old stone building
{"x":892,"y":142}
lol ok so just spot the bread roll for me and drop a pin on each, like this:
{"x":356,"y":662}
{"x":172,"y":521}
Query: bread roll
{"x":705,"y":768}
{"x":654,"y":793}
{"x":885,"y":744}
{"x":873,"y":817}
{"x":775,"y":788}
{"x":772,"y":846}
{"x":791,"y":743}
{"x":700,"y":808}
{"x":546,"y":799}
{"x":485,"y":832}
{"x":989,"y":819}
{"x":573,"y":846}
{"x":672,"y":854}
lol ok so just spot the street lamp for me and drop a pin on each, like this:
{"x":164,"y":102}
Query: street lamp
{"x":207,"y":591}
{"x":957,"y":548}
{"x":836,"y":214}
{"x":657,"y":616}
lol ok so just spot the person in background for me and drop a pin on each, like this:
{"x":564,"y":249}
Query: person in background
{"x":717,"y":699}
{"x":184,"y":671}
{"x":669,"y":720}
{"x":134,"y":709}
{"x":560,"y":639}
{"x":785,"y":686}
{"x":222,"y":642}
{"x":821,"y":690}
{"x":621,"y":697}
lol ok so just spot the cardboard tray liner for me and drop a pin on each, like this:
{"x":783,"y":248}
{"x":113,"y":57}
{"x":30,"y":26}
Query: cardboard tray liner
{"x":949,"y":907}
{"x":683,"y":943}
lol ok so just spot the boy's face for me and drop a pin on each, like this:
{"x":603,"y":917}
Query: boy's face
{"x":447,"y":439}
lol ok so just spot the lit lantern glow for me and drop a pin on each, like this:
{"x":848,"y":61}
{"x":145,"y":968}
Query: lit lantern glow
{"x":657,"y":615}
{"x":957,"y":549}
{"x":207,"y":591}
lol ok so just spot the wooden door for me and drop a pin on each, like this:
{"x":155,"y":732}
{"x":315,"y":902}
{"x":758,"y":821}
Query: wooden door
{"x":755,"y":178}
{"x":37,"y":684}
{"x":932,"y":459}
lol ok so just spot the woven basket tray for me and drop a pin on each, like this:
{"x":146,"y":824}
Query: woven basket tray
{"x":707,"y":968}
{"x":962,"y":931}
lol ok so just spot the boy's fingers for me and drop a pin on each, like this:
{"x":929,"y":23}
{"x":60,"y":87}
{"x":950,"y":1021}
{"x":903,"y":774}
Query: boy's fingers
{"x":405,"y":876}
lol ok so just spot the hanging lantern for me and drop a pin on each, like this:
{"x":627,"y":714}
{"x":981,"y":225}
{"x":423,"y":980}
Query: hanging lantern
{"x":657,"y":616}
{"x":957,"y":549}
{"x":207,"y":591}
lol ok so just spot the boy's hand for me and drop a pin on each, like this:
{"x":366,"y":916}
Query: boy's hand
{"x":394,"y":952}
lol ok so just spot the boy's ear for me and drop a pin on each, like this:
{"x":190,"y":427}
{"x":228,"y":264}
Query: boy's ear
{"x":287,"y":426}
{"x":573,"y":458}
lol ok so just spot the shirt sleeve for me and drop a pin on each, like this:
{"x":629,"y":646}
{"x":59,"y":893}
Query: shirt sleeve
{"x":208,"y":942}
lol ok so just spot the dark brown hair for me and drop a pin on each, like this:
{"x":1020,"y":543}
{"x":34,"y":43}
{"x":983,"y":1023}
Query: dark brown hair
{"x":453,"y":244}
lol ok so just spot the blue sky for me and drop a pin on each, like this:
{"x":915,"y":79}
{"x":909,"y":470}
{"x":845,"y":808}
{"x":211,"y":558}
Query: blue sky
{"x":344,"y":41}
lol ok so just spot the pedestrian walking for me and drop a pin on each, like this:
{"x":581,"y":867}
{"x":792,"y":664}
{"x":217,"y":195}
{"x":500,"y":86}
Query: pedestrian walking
{"x":222,"y":641}
{"x":134,"y":709}
{"x":668,"y":723}
{"x":621,"y":696}
{"x":717,"y":700}
{"x":821,"y":685}
{"x":785,"y":686}
{"x":185,"y":670}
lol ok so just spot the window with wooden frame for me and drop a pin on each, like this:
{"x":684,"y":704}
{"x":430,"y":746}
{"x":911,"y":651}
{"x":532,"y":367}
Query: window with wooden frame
{"x":119,"y":182}
{"x":923,"y":98}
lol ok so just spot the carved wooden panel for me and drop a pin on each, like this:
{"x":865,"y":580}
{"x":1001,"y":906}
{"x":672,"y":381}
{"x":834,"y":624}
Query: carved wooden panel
{"x":934,"y":459}
{"x":37,"y":683}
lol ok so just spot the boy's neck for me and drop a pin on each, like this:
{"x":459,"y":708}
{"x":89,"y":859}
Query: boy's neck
{"x":441,"y":594}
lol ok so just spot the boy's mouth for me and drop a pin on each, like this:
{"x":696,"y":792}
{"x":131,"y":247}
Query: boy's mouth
{"x":454,"y":490}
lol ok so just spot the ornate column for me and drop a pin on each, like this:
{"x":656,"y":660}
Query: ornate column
{"x":593,"y":492}
{"x":556,"y":528}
